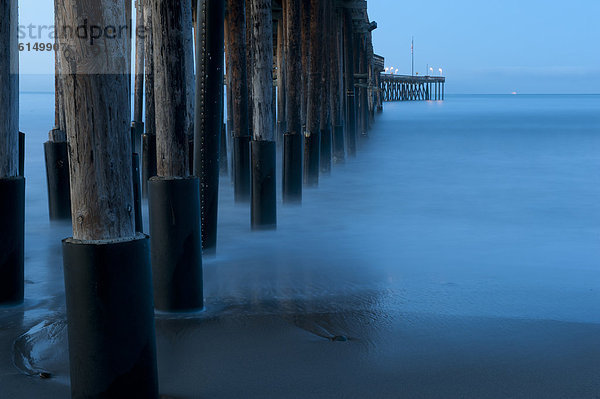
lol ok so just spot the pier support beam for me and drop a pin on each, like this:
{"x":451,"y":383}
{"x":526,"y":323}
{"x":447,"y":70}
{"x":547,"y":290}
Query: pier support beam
{"x":281,"y":85}
{"x":292,"y":145}
{"x":210,"y":39}
{"x":174,"y":197}
{"x":138,"y":93}
{"x":238,"y":70}
{"x":312,"y":145}
{"x":149,"y":138}
{"x":12,"y":186}
{"x":107,"y":271}
{"x":325,"y":118}
{"x":336,"y":92}
{"x":264,"y":209}
{"x":56,"y":149}
{"x":350,"y":90}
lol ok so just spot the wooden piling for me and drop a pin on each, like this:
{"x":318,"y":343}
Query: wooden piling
{"x":280,"y":81}
{"x":249,"y":63}
{"x":9,"y":94}
{"x":238,"y":72}
{"x":174,"y":197}
{"x":305,"y":46}
{"x":264,"y":208}
{"x":209,"y":112}
{"x":107,"y":277}
{"x":349,"y":83}
{"x":190,"y":78}
{"x":12,"y":185}
{"x":138,"y":102}
{"x":100,"y":152}
{"x":292,"y":154}
{"x":314,"y":97}
{"x":170,"y":87}
{"x":149,"y":138}
{"x":325,"y":119}
{"x":336,"y":91}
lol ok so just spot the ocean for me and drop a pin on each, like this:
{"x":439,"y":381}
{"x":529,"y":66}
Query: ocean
{"x":458,"y":255}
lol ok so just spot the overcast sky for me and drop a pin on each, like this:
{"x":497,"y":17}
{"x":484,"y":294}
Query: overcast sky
{"x":527,"y":46}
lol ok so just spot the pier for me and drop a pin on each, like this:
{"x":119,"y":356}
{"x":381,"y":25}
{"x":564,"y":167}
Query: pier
{"x":301,"y":79}
{"x":412,"y":88}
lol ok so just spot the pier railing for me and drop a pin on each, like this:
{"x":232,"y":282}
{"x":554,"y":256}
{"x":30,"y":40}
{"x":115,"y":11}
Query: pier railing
{"x":412,"y":88}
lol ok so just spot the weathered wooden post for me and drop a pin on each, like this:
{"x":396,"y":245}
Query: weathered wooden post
{"x":56,"y":151}
{"x":174,"y":196}
{"x":281,"y":86}
{"x":305,"y":46}
{"x":149,"y":138}
{"x":337,"y":74}
{"x":226,"y":136}
{"x":190,"y":83}
{"x":138,"y":95}
{"x":350,"y":90}
{"x":239,"y":97}
{"x":209,"y":112}
{"x":292,"y":142}
{"x":12,"y":186}
{"x":263,"y":147}
{"x":312,"y":144}
{"x":108,"y":282}
{"x":363,"y":92}
{"x":249,"y":65}
{"x":325,"y":120}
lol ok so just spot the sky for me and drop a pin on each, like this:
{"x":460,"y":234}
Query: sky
{"x":482,"y":46}
{"x":493,"y":46}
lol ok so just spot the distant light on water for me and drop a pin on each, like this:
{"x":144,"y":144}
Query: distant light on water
{"x":514,"y":93}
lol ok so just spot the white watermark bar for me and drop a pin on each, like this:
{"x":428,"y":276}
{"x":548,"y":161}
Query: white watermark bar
{"x":95,"y":44}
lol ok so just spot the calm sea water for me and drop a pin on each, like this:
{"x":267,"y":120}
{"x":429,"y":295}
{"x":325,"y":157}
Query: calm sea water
{"x":452,"y":251}
{"x":479,"y":205}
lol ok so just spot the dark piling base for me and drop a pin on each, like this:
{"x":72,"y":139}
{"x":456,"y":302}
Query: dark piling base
{"x":58,"y":179}
{"x":264,"y":186}
{"x":191,"y":156}
{"x":351,"y":141}
{"x":21,"y":154}
{"x":223,"y":161}
{"x":137,"y":193}
{"x":148,"y":161}
{"x":339,"y":153}
{"x":292,"y":168}
{"x":241,"y":168}
{"x":325,"y":162}
{"x":281,"y":128}
{"x":312,"y":149}
{"x":176,"y":243}
{"x":112,"y":345}
{"x":137,"y":131}
{"x":12,"y":239}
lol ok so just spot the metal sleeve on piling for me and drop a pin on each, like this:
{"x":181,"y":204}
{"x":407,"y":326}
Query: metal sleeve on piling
{"x":312,"y":148}
{"x":292,"y":168}
{"x":112,"y":345}
{"x":58,"y":179}
{"x":176,"y":244}
{"x":148,"y":161}
{"x":21,"y":154}
{"x":241,"y":170}
{"x":264,"y":185}
{"x":12,"y":239}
